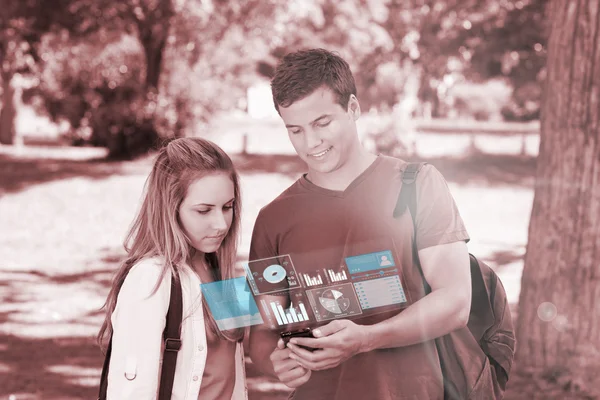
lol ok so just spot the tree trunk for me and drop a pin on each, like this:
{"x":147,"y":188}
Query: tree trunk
{"x":558,"y":329}
{"x":153,"y":50}
{"x":153,"y":33}
{"x":7,"y":112}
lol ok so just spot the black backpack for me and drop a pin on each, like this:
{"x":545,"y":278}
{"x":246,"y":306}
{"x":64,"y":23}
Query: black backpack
{"x":172,"y":344}
{"x":490,"y":320}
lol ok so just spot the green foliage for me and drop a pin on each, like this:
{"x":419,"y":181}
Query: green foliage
{"x":479,"y":40}
{"x":474,"y":39}
{"x":514,"y":47}
{"x":148,"y":68}
{"x":97,"y":88}
{"x":480,"y":101}
{"x":184,"y":61}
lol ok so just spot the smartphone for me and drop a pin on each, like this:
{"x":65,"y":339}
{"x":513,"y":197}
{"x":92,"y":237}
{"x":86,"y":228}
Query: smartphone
{"x":305,"y":332}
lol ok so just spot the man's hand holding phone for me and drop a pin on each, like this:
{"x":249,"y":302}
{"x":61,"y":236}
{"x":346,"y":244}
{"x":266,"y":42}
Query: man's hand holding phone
{"x":301,"y":333}
{"x":336,"y":342}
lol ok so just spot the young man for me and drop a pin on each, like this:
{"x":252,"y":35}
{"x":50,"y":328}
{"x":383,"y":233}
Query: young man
{"x":341,"y":208}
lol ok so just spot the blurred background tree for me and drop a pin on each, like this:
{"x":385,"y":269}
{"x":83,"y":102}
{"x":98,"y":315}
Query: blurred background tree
{"x":446,"y":42}
{"x":105,"y":76}
{"x":126,"y":73}
{"x":22,"y":25}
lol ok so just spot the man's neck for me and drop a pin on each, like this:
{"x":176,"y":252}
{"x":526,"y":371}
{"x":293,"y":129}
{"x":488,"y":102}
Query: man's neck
{"x":341,"y":178}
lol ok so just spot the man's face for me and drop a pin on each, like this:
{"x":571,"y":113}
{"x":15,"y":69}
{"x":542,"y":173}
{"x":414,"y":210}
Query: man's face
{"x":322,"y":132}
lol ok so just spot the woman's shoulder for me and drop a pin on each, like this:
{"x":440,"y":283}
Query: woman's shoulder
{"x":148,"y":265}
{"x":144,"y":276}
{"x":144,"y":294}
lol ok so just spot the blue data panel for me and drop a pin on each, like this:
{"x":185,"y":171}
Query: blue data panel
{"x":370,"y":262}
{"x":380,"y":292}
{"x":231,"y":303}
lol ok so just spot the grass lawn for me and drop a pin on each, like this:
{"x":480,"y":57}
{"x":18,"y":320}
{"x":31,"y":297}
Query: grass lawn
{"x":63,"y":215}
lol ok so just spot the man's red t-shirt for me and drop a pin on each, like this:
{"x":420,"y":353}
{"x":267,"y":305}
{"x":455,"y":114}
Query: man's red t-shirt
{"x":318,"y":228}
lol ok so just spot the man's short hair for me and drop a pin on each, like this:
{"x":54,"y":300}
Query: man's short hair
{"x":302,"y":72}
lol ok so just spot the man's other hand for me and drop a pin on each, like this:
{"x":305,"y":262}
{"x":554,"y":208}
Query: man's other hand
{"x":288,"y":371}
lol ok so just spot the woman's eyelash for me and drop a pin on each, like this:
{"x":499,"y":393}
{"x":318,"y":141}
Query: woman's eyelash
{"x":207,"y":211}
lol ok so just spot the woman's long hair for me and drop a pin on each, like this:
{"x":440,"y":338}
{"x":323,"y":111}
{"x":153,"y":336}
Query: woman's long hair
{"x":157,"y":231}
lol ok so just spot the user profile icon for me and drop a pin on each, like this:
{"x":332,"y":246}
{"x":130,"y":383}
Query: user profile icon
{"x":384,"y":261}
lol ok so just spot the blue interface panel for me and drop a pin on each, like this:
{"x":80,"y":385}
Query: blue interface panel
{"x":370,"y":262}
{"x":231,"y":303}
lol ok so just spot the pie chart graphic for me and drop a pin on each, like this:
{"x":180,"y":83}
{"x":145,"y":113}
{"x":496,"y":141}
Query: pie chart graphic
{"x":274,"y":273}
{"x":334,"y":301}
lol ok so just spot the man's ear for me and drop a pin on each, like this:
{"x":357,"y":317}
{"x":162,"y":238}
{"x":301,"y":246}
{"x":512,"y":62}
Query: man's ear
{"x":354,"y":107}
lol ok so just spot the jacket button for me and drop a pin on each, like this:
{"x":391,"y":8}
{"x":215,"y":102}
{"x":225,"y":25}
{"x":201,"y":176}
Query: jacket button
{"x":200,"y":347}
{"x":195,"y":378}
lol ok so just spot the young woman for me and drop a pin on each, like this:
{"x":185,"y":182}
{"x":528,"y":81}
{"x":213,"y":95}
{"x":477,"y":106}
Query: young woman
{"x":187,"y":228}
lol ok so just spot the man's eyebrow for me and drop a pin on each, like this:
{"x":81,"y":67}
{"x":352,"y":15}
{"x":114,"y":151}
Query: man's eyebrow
{"x":212,"y":205}
{"x":312,"y":122}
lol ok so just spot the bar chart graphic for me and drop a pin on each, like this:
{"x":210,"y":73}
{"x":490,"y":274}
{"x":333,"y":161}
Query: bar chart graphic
{"x":336,"y":276}
{"x":290,"y":315}
{"x":312,"y":280}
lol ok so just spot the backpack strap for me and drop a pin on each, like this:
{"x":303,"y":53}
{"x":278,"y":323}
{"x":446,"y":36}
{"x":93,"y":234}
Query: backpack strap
{"x":408,"y":191}
{"x":408,"y":199}
{"x":104,"y":375}
{"x":172,"y":344}
{"x":484,"y":291}
{"x":172,"y":336}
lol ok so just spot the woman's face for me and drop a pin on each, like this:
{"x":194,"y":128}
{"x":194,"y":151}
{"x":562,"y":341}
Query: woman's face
{"x":206,"y":212}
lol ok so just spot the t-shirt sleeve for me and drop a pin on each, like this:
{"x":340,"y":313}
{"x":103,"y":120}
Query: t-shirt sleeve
{"x":438,"y":219}
{"x":261,"y":244}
